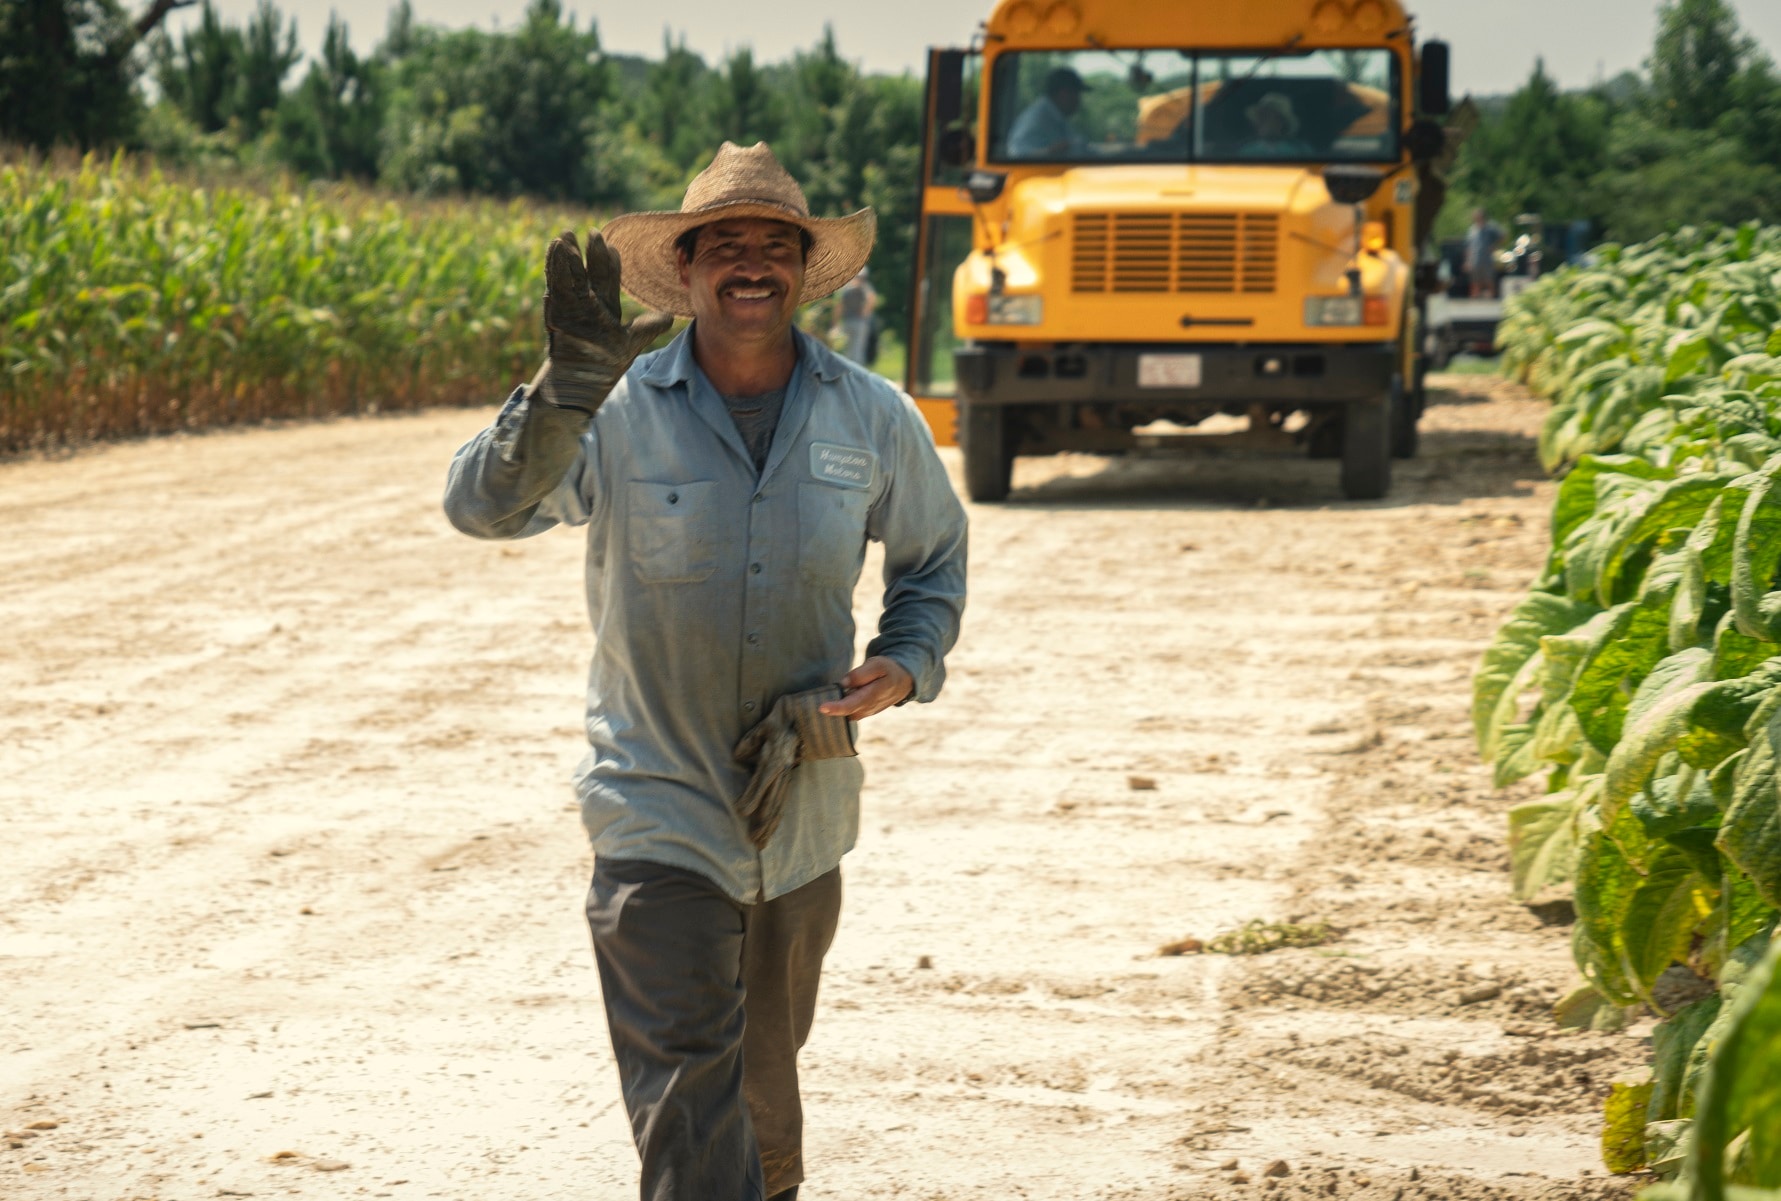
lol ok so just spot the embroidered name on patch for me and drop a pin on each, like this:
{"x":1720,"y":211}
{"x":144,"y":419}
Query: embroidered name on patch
{"x":842,"y":465}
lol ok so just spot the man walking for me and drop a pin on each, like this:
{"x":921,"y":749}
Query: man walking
{"x":729,"y":483}
{"x":1482,"y":239}
{"x":858,"y":303}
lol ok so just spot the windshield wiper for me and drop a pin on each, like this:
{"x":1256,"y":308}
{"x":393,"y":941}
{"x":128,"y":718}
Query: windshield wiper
{"x":1291,"y":43}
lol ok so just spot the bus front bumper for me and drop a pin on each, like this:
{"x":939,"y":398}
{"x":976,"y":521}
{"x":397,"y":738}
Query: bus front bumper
{"x":999,"y":373}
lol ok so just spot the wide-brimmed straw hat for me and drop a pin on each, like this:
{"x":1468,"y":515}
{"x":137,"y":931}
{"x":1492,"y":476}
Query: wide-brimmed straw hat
{"x":738,"y":183}
{"x":1280,"y":107}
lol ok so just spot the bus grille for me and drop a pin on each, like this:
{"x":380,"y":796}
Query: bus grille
{"x":1175,"y":252}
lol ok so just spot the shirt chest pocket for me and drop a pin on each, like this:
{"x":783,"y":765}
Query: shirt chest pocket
{"x":671,"y":531}
{"x":831,"y":533}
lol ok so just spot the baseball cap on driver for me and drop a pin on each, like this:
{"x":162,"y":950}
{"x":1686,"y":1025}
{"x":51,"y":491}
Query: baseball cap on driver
{"x":1059,"y":78}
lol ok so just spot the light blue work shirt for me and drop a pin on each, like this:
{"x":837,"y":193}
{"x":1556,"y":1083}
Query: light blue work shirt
{"x":715,"y":589}
{"x":1042,"y":131}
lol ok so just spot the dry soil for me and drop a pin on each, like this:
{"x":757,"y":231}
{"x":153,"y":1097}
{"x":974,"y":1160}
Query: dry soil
{"x":290,"y":884}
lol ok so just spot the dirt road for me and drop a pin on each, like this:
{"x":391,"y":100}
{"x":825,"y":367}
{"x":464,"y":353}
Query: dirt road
{"x":290,"y":884}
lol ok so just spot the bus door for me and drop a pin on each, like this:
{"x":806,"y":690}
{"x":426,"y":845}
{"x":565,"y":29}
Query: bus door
{"x":943,"y":234}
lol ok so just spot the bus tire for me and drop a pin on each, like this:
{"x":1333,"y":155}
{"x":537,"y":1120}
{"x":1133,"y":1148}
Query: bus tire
{"x":1366,"y":449}
{"x":988,"y":449}
{"x":1406,"y":408}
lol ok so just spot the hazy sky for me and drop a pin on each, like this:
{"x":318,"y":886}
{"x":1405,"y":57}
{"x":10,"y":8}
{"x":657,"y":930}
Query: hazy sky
{"x":1494,"y":44}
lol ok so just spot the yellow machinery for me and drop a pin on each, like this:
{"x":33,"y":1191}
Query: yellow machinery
{"x":1143,"y":222}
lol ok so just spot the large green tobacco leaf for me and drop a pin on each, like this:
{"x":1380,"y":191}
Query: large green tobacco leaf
{"x":1657,"y":718}
{"x":1750,"y":835}
{"x":1661,"y":917}
{"x":1755,"y":552}
{"x":1679,"y":505}
{"x":1628,"y":646}
{"x":1734,"y":973}
{"x":1742,"y":914}
{"x":1672,"y":1044}
{"x":1539,"y":614}
{"x":1720,"y":715}
{"x":1511,"y":741}
{"x":1673,"y":804}
{"x":1594,"y":479}
{"x":1543,"y":839}
{"x":1606,"y":884}
{"x":1557,"y":737}
{"x":1737,"y":1088}
{"x":1623,"y":1127}
{"x":1688,"y":609}
{"x":1742,"y":1088}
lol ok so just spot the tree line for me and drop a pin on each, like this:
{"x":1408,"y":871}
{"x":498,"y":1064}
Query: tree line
{"x":541,"y":110}
{"x":1694,"y":138}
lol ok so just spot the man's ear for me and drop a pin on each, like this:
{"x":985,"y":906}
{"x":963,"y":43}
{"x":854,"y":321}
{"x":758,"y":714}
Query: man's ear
{"x":685,"y":265}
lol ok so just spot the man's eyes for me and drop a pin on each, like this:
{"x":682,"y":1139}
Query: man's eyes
{"x":734,"y":248}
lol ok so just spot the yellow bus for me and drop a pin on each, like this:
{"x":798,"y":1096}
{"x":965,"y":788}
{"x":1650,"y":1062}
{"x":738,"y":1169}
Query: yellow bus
{"x":1192,"y":223}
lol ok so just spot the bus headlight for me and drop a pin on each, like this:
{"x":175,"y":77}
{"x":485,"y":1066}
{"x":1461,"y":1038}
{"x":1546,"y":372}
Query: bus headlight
{"x":1016,"y":310}
{"x":1333,"y":310}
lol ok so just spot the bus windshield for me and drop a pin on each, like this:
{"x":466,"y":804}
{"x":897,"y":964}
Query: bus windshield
{"x":1132,"y":106}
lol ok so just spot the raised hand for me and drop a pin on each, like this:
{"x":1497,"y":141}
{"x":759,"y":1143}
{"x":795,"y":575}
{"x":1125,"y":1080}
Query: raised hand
{"x":591,"y":348}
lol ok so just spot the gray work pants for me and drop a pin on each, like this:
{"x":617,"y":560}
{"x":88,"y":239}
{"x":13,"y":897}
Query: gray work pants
{"x":708,"y":1002}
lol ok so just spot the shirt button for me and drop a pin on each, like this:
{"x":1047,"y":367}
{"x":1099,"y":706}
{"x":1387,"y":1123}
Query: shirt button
{"x":673,"y":498}
{"x":748,"y":705}
{"x":754,"y":568}
{"x":753,"y":638}
{"x":759,"y":498}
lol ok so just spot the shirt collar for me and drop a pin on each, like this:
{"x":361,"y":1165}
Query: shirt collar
{"x":674,"y":363}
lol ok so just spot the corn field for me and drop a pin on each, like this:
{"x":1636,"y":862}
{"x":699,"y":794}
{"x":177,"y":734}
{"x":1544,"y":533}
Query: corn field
{"x":133,"y":303}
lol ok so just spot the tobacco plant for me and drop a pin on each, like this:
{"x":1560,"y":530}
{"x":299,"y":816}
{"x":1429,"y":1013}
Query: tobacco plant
{"x":1689,"y":313}
{"x":1642,"y":676}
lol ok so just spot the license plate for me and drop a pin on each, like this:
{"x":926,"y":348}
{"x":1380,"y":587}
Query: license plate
{"x":1168,"y":371}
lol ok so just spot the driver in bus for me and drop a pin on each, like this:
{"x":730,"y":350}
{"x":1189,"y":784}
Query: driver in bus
{"x":1274,"y":129}
{"x":1043,"y":129}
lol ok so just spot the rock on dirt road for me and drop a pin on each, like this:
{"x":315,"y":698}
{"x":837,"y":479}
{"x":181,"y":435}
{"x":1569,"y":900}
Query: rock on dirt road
{"x":291,"y":881}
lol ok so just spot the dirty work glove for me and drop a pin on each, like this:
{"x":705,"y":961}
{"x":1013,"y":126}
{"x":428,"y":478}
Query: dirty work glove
{"x":793,"y":733}
{"x":589,"y":348}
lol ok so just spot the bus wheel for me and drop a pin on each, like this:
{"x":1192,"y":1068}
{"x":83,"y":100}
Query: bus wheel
{"x":1366,"y":449}
{"x":989,"y":451}
{"x":1406,"y":408}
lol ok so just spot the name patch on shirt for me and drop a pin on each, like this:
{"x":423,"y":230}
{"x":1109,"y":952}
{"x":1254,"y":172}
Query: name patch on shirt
{"x":842,"y":465}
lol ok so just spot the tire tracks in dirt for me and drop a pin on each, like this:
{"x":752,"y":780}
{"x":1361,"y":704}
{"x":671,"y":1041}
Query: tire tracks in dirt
{"x":291,"y":865}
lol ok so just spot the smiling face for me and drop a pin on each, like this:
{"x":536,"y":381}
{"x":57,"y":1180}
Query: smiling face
{"x":744,"y":277}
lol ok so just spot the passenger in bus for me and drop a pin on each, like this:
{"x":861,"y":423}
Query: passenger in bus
{"x":1043,"y":129}
{"x":1274,"y":129}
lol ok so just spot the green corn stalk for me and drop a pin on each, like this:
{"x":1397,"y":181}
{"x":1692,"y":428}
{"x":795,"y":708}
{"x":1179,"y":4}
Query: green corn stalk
{"x":132,"y":303}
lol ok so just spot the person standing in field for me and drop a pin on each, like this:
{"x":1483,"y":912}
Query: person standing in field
{"x":858,"y":302}
{"x":1482,"y":240}
{"x":729,"y":483}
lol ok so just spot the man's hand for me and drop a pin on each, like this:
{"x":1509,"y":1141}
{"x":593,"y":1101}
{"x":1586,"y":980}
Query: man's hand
{"x":590,"y":347}
{"x":872,"y":687}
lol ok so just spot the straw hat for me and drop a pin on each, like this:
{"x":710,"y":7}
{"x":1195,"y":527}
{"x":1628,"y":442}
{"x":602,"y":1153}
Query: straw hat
{"x":1280,"y":107}
{"x":738,"y":183}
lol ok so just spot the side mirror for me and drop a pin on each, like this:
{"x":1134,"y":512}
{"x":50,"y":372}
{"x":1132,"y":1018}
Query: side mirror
{"x":1424,"y":140}
{"x":957,"y":148}
{"x":1352,"y":184}
{"x":1435,"y":95}
{"x":984,"y":186}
